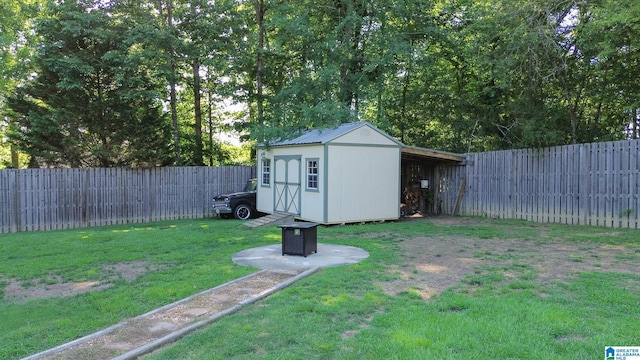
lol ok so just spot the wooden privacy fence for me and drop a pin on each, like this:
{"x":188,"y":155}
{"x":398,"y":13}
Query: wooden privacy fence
{"x":590,"y":184}
{"x":49,"y":199}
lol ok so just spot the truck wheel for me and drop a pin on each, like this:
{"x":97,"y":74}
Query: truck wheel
{"x":242,"y":212}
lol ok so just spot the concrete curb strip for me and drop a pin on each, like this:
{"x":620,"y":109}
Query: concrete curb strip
{"x":174,"y":336}
{"x":152,"y":346}
{"x":75,"y":342}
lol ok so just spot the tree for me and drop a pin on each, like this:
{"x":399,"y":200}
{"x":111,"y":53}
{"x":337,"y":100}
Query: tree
{"x":456,"y":75}
{"x":607,"y":40}
{"x":16,"y":51}
{"x":94,"y":101}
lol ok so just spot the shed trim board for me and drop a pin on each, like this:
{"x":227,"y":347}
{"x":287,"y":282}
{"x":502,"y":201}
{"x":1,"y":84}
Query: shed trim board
{"x":325,"y":184}
{"x":362,"y":145}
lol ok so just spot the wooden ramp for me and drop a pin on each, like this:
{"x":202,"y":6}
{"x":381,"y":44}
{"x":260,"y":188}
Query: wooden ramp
{"x":275,"y":218}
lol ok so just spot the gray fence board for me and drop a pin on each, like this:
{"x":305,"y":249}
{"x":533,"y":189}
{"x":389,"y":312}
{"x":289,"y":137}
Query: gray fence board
{"x":51,"y":199}
{"x":591,"y":184}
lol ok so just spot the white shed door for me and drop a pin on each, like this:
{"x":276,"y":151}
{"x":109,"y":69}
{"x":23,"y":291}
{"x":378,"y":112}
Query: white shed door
{"x":287,"y":184}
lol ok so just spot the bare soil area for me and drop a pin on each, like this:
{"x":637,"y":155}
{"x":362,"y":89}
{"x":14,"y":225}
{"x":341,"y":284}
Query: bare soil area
{"x":55,"y":286}
{"x":433,"y":264}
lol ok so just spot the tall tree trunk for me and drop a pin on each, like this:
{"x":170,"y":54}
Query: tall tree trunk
{"x":404,"y":121}
{"x":260,"y":12}
{"x":197,"y":156}
{"x":573,"y":118}
{"x":174,"y":115}
{"x":15,"y":160}
{"x":345,"y":9}
{"x":634,"y":122}
{"x":172,"y":87}
{"x":381,"y":77}
{"x":213,"y":152}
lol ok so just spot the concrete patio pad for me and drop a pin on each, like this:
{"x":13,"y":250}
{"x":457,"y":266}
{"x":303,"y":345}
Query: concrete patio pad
{"x":328,"y":255}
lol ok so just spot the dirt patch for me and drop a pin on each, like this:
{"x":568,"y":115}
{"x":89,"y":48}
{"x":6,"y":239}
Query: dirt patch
{"x":52,"y":286}
{"x":55,"y":286}
{"x":454,"y":221}
{"x":433,"y":264}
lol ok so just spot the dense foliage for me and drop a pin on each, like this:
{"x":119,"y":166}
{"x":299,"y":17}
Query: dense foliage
{"x":148,"y":83}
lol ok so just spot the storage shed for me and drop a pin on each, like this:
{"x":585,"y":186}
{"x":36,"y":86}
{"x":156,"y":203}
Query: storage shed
{"x":346,"y":174}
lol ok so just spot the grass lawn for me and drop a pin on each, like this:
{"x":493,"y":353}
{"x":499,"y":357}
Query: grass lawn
{"x":509,"y":302}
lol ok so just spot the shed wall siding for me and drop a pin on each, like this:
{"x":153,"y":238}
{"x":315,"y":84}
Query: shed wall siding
{"x":363,"y":183}
{"x":313,"y":200}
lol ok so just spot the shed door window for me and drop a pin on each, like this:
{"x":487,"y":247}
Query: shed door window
{"x":266,"y":172}
{"x":312,"y":174}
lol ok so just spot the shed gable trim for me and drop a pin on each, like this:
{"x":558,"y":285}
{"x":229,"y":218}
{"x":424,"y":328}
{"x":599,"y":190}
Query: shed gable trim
{"x":324,"y":136}
{"x":363,"y":145}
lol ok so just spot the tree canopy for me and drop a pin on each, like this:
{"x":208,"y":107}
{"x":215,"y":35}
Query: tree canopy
{"x":152,"y":83}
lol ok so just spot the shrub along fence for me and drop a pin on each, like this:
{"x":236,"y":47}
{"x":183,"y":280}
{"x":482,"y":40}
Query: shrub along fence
{"x":590,"y":184}
{"x":49,"y":199}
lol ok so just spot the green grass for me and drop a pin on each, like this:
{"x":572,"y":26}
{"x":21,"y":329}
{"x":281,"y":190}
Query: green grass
{"x":192,"y":256}
{"x":338,"y":313}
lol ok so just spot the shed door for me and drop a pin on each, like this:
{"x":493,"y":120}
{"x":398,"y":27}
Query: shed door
{"x":287,"y":184}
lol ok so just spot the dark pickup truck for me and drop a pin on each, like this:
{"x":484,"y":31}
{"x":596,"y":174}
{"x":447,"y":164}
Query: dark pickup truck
{"x":241,"y":205}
